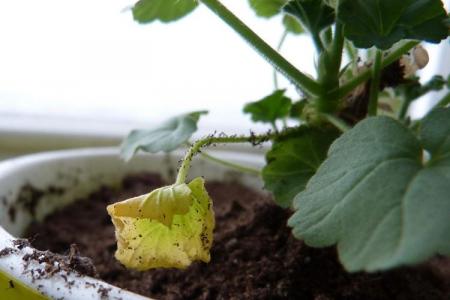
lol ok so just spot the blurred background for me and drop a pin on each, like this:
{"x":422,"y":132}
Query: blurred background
{"x":83,"y":73}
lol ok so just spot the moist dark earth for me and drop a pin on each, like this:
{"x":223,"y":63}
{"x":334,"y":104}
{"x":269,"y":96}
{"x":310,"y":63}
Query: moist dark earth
{"x":254,"y":256}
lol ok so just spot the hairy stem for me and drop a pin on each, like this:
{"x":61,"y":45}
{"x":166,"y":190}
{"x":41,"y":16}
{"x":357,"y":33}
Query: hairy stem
{"x":196,"y":147}
{"x":300,"y":79}
{"x":375,"y":83}
{"x":329,"y":69}
{"x":363,"y":77}
{"x":280,"y":45}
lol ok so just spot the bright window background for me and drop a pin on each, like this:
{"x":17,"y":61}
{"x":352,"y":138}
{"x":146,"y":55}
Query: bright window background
{"x":87,"y":66}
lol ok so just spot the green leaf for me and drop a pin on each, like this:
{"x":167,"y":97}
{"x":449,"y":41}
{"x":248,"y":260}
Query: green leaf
{"x":168,"y":228}
{"x":292,"y":25}
{"x":270,"y":108}
{"x":314,"y":15}
{"x":146,"y":11}
{"x":167,"y":137}
{"x":293,"y":160}
{"x":267,"y":8}
{"x":377,"y":199}
{"x":382,"y":23}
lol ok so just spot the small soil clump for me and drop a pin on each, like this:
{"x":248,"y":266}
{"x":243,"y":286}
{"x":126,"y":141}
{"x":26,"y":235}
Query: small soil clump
{"x":254,"y":255}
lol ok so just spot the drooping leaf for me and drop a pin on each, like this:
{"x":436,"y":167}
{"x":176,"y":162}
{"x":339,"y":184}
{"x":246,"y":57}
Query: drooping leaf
{"x":146,"y":11}
{"x":145,"y":238}
{"x":314,"y":15}
{"x":382,"y":23}
{"x":270,"y":108}
{"x":376,"y":197}
{"x":292,"y":25}
{"x":293,"y":160}
{"x":167,"y":137}
{"x":267,"y":8}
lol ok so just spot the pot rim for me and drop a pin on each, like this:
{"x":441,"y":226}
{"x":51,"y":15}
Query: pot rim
{"x":81,"y":287}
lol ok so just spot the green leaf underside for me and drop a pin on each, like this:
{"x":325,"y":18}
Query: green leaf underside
{"x":375,"y":198}
{"x":382,"y":23}
{"x":292,"y":161}
{"x":167,"y":137}
{"x":146,"y":11}
{"x":267,"y":8}
{"x":314,"y":15}
{"x":270,"y":108}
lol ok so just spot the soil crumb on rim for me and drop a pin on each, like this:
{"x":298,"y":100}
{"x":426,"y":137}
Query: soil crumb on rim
{"x":254,"y":255}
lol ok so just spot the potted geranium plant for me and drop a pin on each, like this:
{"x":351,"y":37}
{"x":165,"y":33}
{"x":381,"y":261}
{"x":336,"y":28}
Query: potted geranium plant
{"x":353,"y":174}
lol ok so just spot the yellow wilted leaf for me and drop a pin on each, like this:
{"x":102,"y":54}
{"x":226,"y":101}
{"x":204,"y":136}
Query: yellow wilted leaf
{"x":170,"y":227}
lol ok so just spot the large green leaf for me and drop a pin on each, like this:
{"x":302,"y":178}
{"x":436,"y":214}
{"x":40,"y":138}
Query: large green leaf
{"x":314,"y":15}
{"x":382,"y":23}
{"x":293,"y":160}
{"x":167,"y":137}
{"x":267,"y":8}
{"x":270,"y":108}
{"x":377,"y":198}
{"x":146,"y":11}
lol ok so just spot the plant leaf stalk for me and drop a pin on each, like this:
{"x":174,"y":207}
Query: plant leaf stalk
{"x":196,"y":147}
{"x":375,"y":83}
{"x":308,"y":85}
{"x":329,"y":68}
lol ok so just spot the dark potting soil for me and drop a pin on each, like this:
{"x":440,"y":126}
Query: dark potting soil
{"x":254,"y":255}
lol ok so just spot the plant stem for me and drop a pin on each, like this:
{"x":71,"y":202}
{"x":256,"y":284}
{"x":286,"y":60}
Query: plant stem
{"x":375,"y":83}
{"x":230,"y":164}
{"x":336,"y":122}
{"x":317,"y":42}
{"x":196,"y":147}
{"x":404,"y":109}
{"x":280,"y":45}
{"x":444,"y":101}
{"x":329,"y":68}
{"x":300,"y":79}
{"x":361,"y":78}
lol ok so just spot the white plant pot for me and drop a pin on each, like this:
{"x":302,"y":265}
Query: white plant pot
{"x":78,"y":173}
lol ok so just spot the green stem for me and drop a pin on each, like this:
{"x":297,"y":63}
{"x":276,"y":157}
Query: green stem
{"x":336,"y":122}
{"x":444,"y":101}
{"x":280,"y":45}
{"x":300,"y":79}
{"x":375,"y":83}
{"x":329,"y":69}
{"x":363,"y":77}
{"x":229,"y":164}
{"x":404,"y":109}
{"x":196,"y":147}
{"x":317,"y":42}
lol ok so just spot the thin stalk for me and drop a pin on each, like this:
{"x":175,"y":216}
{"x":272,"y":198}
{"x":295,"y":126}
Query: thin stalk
{"x":280,"y":45}
{"x":317,"y":42}
{"x":229,"y":164}
{"x":329,"y":70}
{"x":444,"y":101}
{"x":375,"y":83}
{"x":196,"y":147}
{"x":363,"y":77}
{"x":300,"y":79}
{"x":336,"y":122}
{"x":404,"y":109}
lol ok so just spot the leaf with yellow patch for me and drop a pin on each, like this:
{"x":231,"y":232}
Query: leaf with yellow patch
{"x":169,"y":228}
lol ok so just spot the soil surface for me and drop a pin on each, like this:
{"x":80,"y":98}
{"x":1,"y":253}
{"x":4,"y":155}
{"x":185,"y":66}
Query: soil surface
{"x":254,"y":256}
